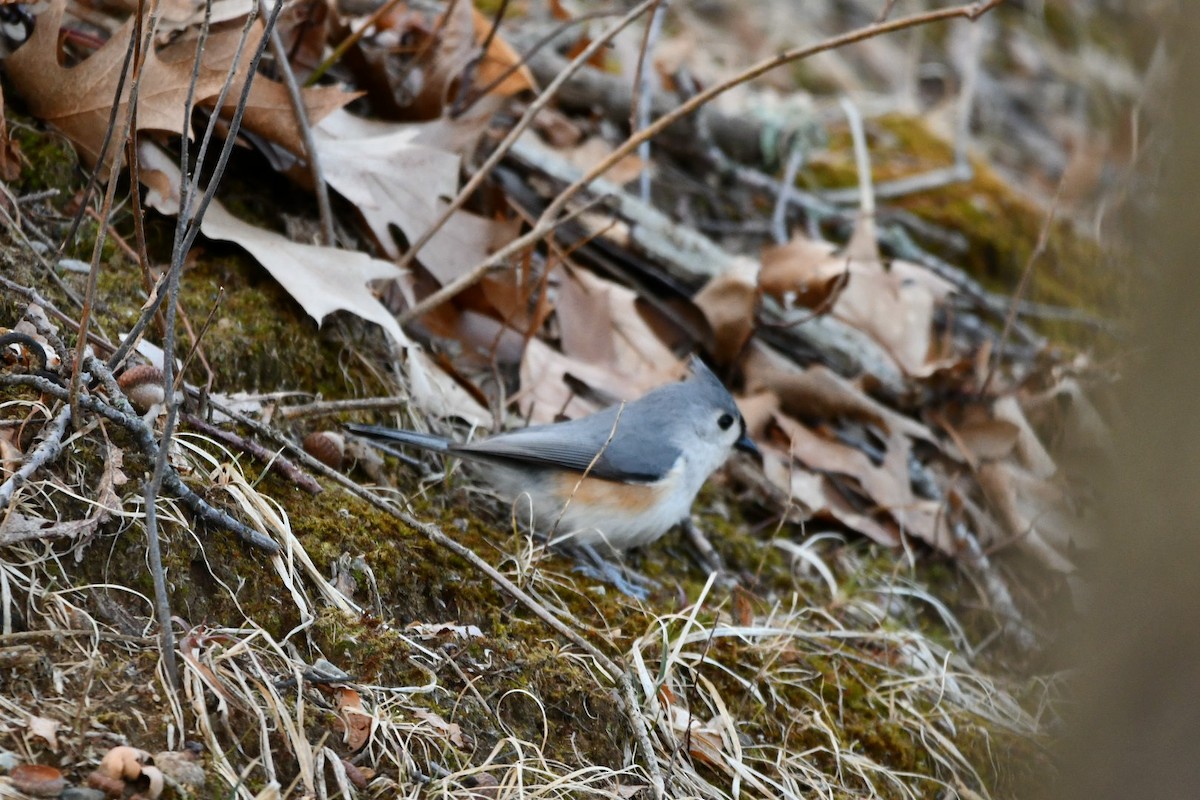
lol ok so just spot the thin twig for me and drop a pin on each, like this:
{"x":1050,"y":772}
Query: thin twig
{"x":1022,"y":286}
{"x":331,"y":407}
{"x":272,"y":459}
{"x":349,"y":42}
{"x":131,"y":49}
{"x":310,"y":144}
{"x":8,"y":639}
{"x":138,"y":48}
{"x":483,"y":91}
{"x":787,"y":189}
{"x":970,"y":11}
{"x":862,"y":161}
{"x":121,"y":413}
{"x":495,"y":259}
{"x":502,"y":149}
{"x":43,"y":454}
{"x":644,"y":84}
{"x":465,"y":98}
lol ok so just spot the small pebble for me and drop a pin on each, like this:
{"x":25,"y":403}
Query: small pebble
{"x":82,"y":793}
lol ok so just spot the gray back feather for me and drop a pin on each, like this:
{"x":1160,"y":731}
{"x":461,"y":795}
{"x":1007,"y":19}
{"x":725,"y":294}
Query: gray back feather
{"x":638,"y":441}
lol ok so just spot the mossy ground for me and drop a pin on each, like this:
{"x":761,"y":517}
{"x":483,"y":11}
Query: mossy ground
{"x":1000,"y":226}
{"x":513,"y":679}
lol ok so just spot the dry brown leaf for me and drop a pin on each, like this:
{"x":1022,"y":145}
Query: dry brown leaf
{"x":78,"y":100}
{"x":593,"y":150}
{"x":1029,"y":447}
{"x":730,"y":302}
{"x":818,"y":392}
{"x":393,"y":180}
{"x":450,"y":730}
{"x":268,"y":110}
{"x":805,"y":464}
{"x":484,"y":336}
{"x":638,"y":353}
{"x":321,"y":279}
{"x":179,"y":15}
{"x":432,"y":389}
{"x":758,"y":410}
{"x":895,"y":305}
{"x":703,"y":740}
{"x":1081,"y":433}
{"x":453,"y":51}
{"x":1034,"y":514}
{"x":10,"y":453}
{"x":800,"y":485}
{"x":819,"y":498}
{"x":500,"y":59}
{"x":803,"y":272}
{"x":585,"y":321}
{"x":546,"y":392}
{"x":982,"y":437}
{"x":355,"y":722}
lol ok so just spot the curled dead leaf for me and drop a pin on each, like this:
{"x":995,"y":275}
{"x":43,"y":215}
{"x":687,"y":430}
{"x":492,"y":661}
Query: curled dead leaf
{"x":730,"y":302}
{"x":355,"y":721}
{"x":803,"y":272}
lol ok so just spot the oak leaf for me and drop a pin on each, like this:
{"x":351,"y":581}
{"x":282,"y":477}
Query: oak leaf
{"x":79,"y":100}
{"x":321,"y":279}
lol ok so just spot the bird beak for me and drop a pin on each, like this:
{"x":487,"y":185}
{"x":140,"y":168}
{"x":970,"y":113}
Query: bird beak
{"x":747,"y":445}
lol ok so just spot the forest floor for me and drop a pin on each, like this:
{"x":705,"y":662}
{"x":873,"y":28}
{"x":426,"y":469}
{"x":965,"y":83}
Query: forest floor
{"x":899,"y":242}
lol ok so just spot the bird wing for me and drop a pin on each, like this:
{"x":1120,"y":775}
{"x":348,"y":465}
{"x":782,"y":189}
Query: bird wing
{"x":618,"y":455}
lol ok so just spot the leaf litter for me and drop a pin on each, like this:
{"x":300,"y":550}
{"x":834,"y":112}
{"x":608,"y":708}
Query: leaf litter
{"x":575,"y":326}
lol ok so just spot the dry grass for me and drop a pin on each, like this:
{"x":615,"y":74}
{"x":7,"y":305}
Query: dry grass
{"x":857,"y":683}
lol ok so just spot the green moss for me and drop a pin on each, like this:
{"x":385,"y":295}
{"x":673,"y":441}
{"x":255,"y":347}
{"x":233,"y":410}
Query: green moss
{"x":49,"y":159}
{"x":1001,"y":228}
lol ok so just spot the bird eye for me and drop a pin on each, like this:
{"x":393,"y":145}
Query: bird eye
{"x":725,"y":421}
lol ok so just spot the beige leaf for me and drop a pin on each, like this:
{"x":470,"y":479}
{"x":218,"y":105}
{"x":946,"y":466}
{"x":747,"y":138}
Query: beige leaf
{"x":803,"y":272}
{"x":817,"y":391}
{"x":984,"y":438}
{"x":438,"y":393}
{"x":729,"y":302}
{"x":895,"y":305}
{"x":547,"y":393}
{"x":45,"y":729}
{"x":450,"y":730}
{"x":1029,"y":447}
{"x":1034,"y":513}
{"x":321,"y":279}
{"x":608,"y":311}
{"x":394,"y":180}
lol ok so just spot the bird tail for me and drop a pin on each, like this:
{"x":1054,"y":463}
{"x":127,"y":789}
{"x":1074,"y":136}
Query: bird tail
{"x":425,"y":441}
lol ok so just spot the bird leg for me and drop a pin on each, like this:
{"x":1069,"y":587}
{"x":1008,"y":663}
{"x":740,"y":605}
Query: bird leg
{"x":589,"y":562}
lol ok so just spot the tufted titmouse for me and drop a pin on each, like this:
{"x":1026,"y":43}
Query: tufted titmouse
{"x":616,"y":479}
